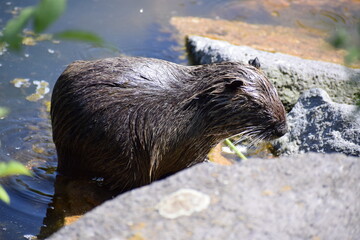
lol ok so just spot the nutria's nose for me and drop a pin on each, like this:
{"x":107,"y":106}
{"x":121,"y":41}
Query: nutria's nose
{"x":281,"y":130}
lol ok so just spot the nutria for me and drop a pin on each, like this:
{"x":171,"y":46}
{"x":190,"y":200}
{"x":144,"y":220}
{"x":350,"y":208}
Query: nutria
{"x":133,"y":120}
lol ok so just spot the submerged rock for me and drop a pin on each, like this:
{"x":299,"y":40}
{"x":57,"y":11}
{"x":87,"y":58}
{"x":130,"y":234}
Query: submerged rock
{"x":311,"y":196}
{"x":318,"y":124}
{"x":291,"y":75}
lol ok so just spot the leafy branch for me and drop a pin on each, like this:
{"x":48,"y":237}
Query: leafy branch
{"x":42,"y":16}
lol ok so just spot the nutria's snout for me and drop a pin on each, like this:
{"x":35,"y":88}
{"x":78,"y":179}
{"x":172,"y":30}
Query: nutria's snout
{"x":135,"y":120}
{"x":280,"y":130}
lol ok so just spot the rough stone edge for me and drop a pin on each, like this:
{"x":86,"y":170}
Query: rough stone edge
{"x":78,"y":230}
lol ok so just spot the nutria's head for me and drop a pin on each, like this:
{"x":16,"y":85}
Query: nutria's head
{"x":239,"y":99}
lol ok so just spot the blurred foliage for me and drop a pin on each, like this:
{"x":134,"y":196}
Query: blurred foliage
{"x":4,"y":112}
{"x":82,"y":36}
{"x":357,"y":95}
{"x":343,"y":39}
{"x":42,"y":16}
{"x":47,"y":12}
{"x":13,"y":35}
{"x":8,"y":169}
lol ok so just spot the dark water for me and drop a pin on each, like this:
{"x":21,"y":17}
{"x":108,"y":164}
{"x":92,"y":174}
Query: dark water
{"x":138,"y":28}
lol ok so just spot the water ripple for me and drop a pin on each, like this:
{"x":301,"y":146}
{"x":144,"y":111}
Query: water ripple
{"x":28,"y":141}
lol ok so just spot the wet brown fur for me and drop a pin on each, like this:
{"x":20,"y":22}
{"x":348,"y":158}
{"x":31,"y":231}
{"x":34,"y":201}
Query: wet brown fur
{"x":135,"y":120}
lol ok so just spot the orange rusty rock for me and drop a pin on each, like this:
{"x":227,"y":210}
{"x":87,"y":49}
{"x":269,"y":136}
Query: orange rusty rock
{"x":71,"y":219}
{"x":215,"y":155}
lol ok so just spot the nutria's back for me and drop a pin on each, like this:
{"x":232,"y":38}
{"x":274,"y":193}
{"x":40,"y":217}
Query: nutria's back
{"x":135,"y":120}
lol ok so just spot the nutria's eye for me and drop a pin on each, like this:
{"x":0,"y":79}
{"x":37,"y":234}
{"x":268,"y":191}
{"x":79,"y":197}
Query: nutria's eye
{"x":235,"y":84}
{"x":255,"y":62}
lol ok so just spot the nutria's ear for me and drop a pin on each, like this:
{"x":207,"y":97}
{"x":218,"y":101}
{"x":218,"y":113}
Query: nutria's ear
{"x":255,"y":62}
{"x":234,"y":84}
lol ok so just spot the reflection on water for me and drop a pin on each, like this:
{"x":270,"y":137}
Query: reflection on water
{"x":139,"y":28}
{"x":72,"y":198}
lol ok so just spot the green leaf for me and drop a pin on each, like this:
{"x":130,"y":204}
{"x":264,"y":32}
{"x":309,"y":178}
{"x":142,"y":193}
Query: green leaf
{"x":4,"y":196}
{"x":4,"y":112}
{"x":83,"y":36}
{"x":13,"y":29}
{"x":47,"y":12}
{"x":13,"y":168}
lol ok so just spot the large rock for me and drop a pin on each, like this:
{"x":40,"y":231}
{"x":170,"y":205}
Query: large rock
{"x":291,"y":75}
{"x":312,"y":196}
{"x":318,"y":124}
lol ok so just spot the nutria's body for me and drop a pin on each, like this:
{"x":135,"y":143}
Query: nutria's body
{"x":136,"y":120}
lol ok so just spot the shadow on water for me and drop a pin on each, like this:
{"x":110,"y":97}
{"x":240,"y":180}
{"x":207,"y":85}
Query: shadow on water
{"x":43,"y":203}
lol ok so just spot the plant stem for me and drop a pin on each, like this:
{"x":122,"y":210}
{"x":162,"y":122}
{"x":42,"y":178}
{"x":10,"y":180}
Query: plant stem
{"x":232,"y":147}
